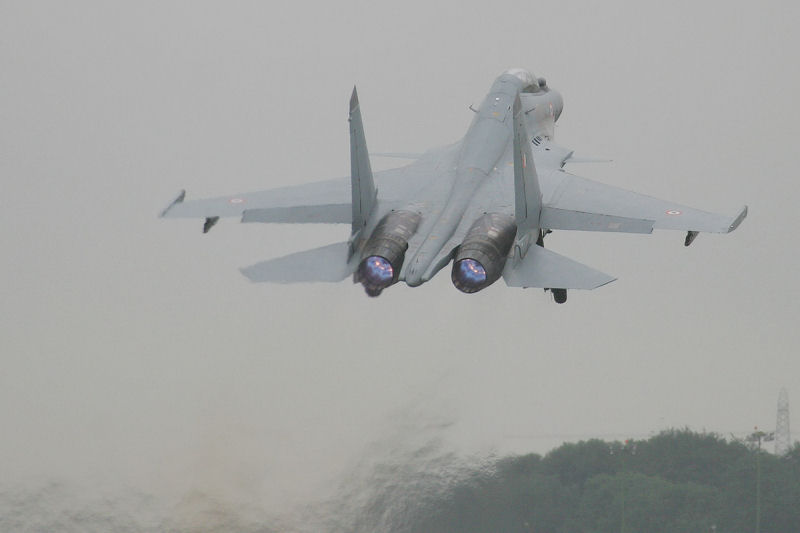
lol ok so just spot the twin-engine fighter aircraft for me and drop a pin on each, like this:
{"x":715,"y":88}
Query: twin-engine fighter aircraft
{"x":485,"y":204}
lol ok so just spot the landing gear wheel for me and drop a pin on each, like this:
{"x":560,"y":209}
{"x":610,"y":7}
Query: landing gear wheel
{"x":560,"y":295}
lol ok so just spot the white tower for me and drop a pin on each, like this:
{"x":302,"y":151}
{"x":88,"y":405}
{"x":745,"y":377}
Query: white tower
{"x":783,"y":438}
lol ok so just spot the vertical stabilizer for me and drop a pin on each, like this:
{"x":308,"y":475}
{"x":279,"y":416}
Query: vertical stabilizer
{"x":527,"y":194}
{"x":363,"y":187}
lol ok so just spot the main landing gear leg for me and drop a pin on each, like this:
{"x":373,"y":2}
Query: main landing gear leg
{"x":542,"y":234}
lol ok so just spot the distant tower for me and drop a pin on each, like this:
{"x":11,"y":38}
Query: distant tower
{"x":783,"y":438}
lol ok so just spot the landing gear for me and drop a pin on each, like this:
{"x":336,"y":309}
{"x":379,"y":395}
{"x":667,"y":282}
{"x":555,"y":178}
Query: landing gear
{"x":560,"y":295}
{"x":542,"y":234}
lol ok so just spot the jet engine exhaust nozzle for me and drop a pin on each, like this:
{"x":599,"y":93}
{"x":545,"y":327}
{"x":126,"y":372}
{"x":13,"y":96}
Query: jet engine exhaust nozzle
{"x":469,"y":275}
{"x":480,"y":259}
{"x":375,"y":273}
{"x":385,"y":251}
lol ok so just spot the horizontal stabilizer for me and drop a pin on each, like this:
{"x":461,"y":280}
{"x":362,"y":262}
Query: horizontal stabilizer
{"x":548,"y":270}
{"x":328,"y":263}
{"x":566,"y":219}
{"x":301,"y":214}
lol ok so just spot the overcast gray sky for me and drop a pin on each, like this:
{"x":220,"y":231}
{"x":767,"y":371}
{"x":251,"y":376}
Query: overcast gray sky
{"x":134,"y":354}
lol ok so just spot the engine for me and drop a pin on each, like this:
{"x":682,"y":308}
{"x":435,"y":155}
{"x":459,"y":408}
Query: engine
{"x":480,"y":259}
{"x":385,"y":251}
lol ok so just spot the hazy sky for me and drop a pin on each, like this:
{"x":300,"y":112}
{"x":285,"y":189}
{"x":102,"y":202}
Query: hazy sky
{"x":134,"y":354}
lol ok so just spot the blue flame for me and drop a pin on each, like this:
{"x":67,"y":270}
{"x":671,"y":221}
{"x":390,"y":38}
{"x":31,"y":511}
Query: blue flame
{"x":377,"y":272}
{"x":470,"y":273}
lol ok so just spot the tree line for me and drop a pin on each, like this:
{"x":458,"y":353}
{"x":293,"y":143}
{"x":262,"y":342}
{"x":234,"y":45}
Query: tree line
{"x":677,"y":481}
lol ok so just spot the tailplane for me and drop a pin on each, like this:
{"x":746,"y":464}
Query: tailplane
{"x":328,"y":263}
{"x":548,"y":270}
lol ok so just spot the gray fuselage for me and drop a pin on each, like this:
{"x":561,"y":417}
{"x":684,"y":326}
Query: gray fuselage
{"x":487,"y":140}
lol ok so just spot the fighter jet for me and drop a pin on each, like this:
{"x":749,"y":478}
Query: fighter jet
{"x":484,"y":204}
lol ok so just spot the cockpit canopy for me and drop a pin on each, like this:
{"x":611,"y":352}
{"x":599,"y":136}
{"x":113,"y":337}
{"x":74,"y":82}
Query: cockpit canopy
{"x":532,"y":84}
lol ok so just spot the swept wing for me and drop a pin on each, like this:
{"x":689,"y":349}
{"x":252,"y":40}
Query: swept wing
{"x":575,"y":203}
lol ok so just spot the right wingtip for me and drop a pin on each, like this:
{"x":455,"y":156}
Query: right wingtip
{"x":738,"y":220}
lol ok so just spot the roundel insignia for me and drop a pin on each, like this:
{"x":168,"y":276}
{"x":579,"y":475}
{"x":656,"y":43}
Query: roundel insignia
{"x":674,"y":212}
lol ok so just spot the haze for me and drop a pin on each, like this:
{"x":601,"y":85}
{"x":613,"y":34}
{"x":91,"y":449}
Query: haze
{"x":135,"y":357}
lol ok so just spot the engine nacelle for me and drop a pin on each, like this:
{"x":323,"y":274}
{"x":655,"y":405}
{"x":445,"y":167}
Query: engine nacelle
{"x":385,"y":251}
{"x":480,"y":259}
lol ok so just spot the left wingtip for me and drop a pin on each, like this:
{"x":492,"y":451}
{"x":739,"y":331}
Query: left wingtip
{"x":178,"y":199}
